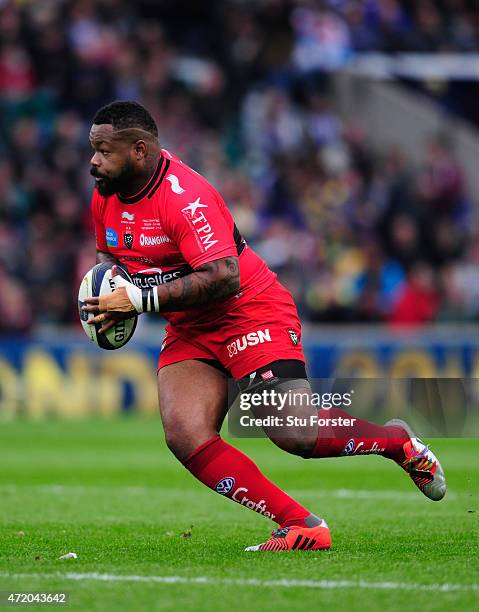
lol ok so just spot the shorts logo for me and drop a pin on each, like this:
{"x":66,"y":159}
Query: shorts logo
{"x":225,"y":485}
{"x":294,"y":336}
{"x":128,"y":240}
{"x":111,"y":237}
{"x":349,"y":448}
{"x":252,"y":339}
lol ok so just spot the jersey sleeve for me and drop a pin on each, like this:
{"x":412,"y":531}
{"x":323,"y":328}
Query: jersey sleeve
{"x":201,"y":225}
{"x":100,"y":235}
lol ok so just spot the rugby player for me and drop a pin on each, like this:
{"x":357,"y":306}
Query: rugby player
{"x":227,"y":316}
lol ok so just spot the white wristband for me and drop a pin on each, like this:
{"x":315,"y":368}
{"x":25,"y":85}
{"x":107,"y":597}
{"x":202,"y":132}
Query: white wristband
{"x":150,"y":300}
{"x":135,"y":297}
{"x":133,"y":292}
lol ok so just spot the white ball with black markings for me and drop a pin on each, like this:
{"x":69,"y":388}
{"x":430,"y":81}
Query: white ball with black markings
{"x":99,"y":281}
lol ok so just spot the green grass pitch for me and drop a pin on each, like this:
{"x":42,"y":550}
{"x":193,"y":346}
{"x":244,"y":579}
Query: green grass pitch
{"x":150,"y":537}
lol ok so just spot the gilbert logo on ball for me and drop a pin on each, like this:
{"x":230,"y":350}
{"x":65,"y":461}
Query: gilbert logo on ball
{"x":99,"y":281}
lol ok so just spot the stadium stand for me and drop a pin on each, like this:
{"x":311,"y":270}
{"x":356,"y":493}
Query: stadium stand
{"x":242,"y":92}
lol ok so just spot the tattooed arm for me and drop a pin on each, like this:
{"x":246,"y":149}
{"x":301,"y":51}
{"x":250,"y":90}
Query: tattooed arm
{"x":211,"y":282}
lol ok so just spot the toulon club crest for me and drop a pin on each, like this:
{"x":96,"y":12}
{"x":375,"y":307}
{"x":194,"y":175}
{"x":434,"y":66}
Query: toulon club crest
{"x":128,"y":240}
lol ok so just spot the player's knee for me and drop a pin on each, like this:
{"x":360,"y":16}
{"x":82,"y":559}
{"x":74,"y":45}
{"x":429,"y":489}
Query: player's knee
{"x":179,"y":443}
{"x":173,"y":442}
{"x":184,"y":440}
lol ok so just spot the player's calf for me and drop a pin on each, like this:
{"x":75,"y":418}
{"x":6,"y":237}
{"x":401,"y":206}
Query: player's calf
{"x":295,"y":430}
{"x":278,"y":396}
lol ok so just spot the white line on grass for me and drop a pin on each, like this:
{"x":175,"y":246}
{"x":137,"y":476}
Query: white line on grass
{"x":253,"y":582}
{"x":55,"y":489}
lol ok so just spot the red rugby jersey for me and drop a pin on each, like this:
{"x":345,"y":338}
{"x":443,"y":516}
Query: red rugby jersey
{"x":177,"y":222}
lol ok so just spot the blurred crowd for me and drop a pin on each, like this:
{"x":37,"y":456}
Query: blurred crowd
{"x":241,"y":91}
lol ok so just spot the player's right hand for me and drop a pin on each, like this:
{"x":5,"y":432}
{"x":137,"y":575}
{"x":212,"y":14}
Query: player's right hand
{"x":123,"y":303}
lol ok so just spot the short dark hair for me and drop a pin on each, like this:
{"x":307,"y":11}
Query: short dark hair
{"x":123,"y":114}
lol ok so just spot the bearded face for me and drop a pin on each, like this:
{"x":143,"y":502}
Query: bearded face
{"x":110,"y":180}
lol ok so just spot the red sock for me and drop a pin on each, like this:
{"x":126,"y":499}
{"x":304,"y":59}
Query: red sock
{"x":229,"y":472}
{"x":358,"y":438}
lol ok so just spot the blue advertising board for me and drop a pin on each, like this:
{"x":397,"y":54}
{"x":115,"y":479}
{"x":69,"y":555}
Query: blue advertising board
{"x":66,"y":375}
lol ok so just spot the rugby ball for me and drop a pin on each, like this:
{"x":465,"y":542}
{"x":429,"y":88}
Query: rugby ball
{"x":98,"y":281}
